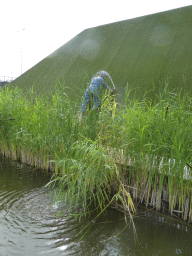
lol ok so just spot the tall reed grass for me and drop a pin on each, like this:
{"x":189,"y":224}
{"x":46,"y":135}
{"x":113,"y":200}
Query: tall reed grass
{"x":90,"y":159}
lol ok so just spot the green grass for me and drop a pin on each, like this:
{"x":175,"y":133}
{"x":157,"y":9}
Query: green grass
{"x":142,"y":51}
{"x":89,"y":159}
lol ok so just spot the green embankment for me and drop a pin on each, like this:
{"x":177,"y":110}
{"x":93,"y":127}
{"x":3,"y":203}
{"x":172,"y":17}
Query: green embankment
{"x":142,"y":51}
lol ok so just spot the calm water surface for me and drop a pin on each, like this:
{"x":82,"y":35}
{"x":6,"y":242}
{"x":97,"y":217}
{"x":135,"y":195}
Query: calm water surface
{"x":29,"y":225}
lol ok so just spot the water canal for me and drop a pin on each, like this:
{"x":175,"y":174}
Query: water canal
{"x":29,"y":225}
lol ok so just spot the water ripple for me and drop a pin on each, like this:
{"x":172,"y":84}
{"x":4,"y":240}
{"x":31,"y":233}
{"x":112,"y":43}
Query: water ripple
{"x":29,"y":215}
{"x":29,"y":225}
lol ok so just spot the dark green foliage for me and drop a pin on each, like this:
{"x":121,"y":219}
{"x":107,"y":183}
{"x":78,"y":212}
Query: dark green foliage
{"x":153,"y":137}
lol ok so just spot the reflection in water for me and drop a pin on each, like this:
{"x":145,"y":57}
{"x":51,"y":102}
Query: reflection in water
{"x":29,"y":224}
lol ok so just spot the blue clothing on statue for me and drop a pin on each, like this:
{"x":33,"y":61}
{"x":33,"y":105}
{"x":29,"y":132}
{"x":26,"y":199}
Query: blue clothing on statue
{"x":93,"y":91}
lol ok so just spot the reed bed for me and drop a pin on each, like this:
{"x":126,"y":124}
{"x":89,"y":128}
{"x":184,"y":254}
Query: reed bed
{"x":140,"y":149}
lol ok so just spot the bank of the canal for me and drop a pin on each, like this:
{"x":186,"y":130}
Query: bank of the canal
{"x":91,"y":157}
{"x":29,"y":224}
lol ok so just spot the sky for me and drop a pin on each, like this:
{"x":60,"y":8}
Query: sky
{"x":32,"y":29}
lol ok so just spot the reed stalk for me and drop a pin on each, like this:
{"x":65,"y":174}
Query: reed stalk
{"x":145,"y":142}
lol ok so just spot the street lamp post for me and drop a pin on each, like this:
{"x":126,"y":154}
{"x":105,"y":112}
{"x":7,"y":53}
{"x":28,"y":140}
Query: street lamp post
{"x":19,"y":31}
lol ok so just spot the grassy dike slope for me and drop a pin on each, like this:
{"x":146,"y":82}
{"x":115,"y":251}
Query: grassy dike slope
{"x":141,"y":51}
